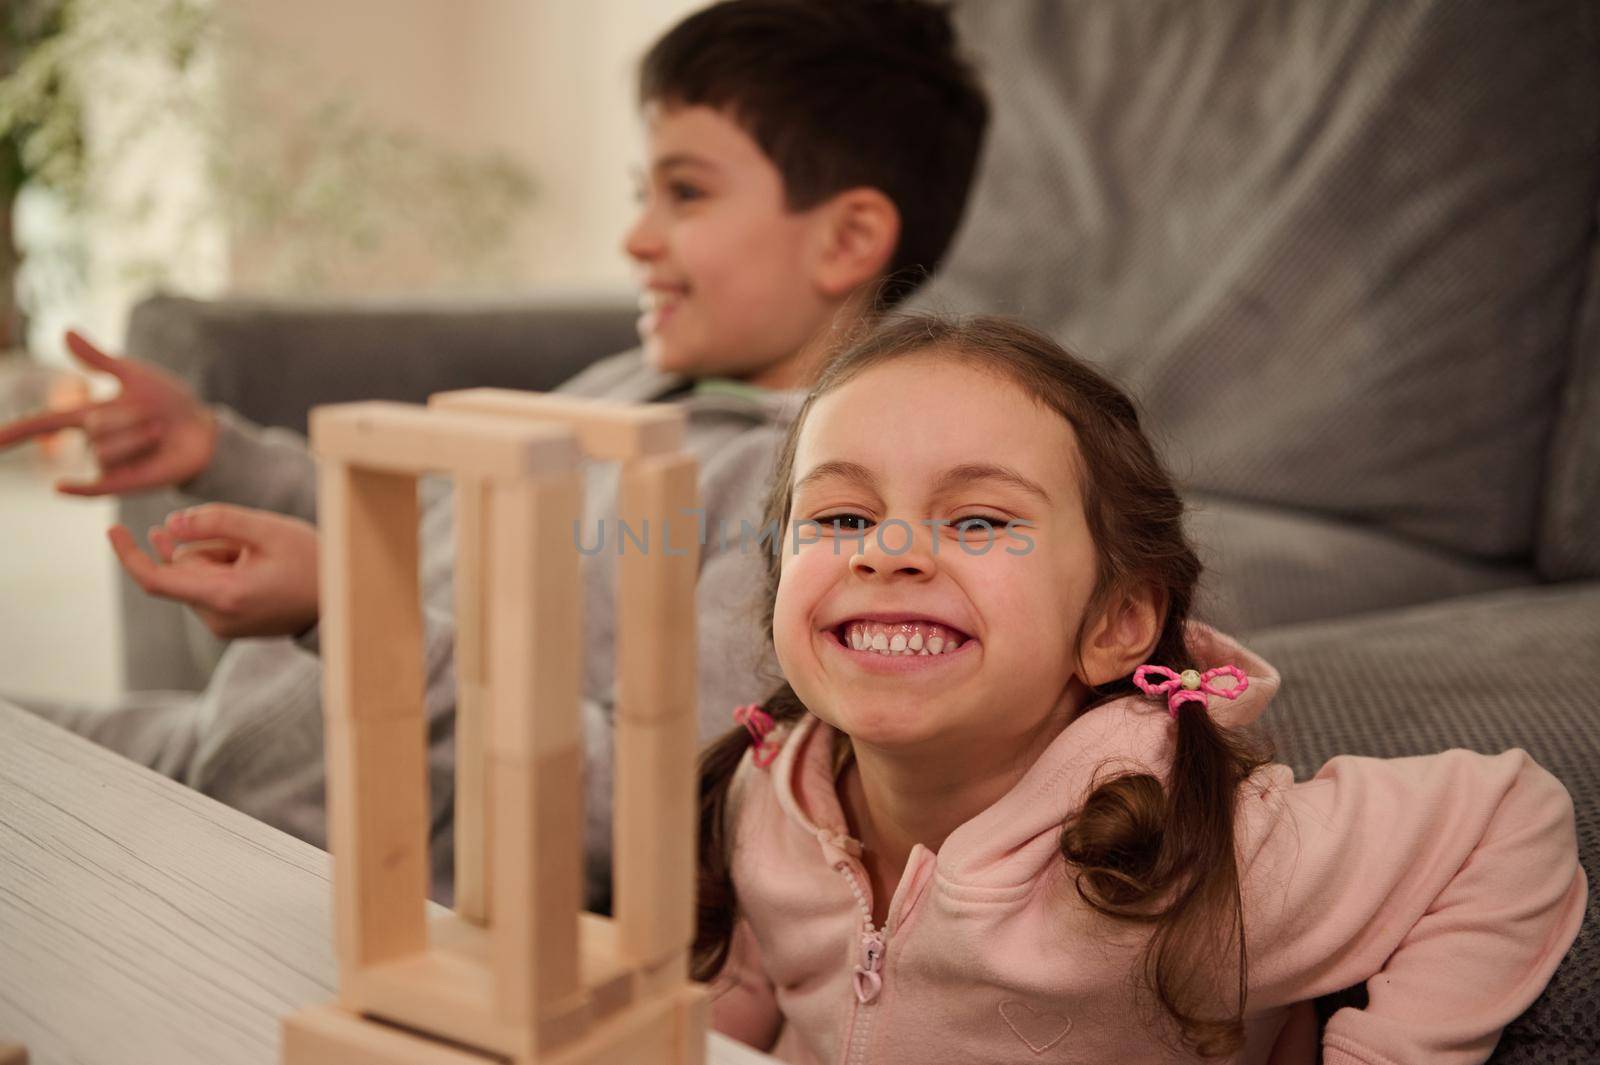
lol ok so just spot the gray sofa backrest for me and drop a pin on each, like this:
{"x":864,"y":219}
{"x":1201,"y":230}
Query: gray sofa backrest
{"x":272,"y":360}
{"x":1337,"y":249}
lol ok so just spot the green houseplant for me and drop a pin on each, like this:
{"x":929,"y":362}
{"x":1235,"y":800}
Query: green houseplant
{"x":41,"y":130}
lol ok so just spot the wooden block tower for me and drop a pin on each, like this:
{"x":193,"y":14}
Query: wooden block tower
{"x":517,"y":973}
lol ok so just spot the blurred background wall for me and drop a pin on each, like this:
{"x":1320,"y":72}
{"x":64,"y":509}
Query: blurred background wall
{"x":286,"y":147}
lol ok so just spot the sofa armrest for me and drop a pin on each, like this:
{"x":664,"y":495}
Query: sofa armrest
{"x":273,"y":361}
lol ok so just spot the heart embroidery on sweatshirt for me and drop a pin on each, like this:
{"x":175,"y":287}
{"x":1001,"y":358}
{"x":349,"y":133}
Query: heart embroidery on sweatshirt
{"x":1040,"y":1031}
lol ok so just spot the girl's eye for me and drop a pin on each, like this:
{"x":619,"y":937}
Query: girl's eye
{"x":973,"y":524}
{"x":683,"y":192}
{"x":845,"y":522}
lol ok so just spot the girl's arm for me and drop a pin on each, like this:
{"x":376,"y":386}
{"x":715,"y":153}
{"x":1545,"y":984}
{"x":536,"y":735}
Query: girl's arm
{"x":1449,"y":884}
{"x":743,"y":1003}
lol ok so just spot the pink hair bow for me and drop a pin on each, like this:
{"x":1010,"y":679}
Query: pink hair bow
{"x":1190,"y":686}
{"x":759,"y":724}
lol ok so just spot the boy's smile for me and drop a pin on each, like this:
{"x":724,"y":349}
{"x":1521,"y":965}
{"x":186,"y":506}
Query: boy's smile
{"x":728,"y":272}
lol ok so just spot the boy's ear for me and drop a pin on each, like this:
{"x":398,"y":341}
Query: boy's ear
{"x":860,"y":229}
{"x":1122,"y":637}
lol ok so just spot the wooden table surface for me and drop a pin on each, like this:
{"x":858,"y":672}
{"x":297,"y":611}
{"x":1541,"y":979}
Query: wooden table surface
{"x":141,"y":922}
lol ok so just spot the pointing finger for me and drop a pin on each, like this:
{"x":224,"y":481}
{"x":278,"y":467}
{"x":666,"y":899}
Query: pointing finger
{"x":92,"y":356}
{"x":40,"y":424}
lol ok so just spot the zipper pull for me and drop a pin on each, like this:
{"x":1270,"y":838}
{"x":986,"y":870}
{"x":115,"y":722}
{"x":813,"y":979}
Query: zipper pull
{"x":868,"y":980}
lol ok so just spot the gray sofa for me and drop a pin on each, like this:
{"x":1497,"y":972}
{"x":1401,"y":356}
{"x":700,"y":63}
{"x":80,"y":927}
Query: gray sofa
{"x":1345,"y":253}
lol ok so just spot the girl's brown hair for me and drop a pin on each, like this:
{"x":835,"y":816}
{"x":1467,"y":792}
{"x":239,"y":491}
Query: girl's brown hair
{"x":1153,"y":853}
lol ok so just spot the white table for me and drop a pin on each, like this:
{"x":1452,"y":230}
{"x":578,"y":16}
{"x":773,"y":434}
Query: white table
{"x":141,"y":922}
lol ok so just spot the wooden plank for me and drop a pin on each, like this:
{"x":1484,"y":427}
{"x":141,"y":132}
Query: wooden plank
{"x":654,"y":840}
{"x":372,"y":696}
{"x":606,"y":430}
{"x":407,"y":438}
{"x":378,"y":833}
{"x":535,"y":617}
{"x":472,"y":899}
{"x":323,"y":1035}
{"x":538,"y":870}
{"x":662,"y":1032}
{"x":371,"y":617}
{"x":656,"y":643}
{"x":656,"y":713}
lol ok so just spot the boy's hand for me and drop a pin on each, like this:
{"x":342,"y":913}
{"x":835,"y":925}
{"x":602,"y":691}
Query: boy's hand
{"x":244,"y":572}
{"x":154,"y":433}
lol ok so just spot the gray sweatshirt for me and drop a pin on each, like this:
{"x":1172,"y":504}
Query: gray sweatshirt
{"x":254,"y":738}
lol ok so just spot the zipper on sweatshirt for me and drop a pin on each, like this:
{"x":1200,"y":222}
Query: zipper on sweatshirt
{"x":868,"y":975}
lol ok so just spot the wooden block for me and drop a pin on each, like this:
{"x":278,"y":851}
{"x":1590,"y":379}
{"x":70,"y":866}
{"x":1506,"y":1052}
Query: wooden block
{"x":371,"y":624}
{"x":378,"y":834}
{"x":535,"y":617}
{"x":440,"y":993}
{"x":694,"y":1021}
{"x":538,"y":870}
{"x":325,"y":1035}
{"x":473,"y":859}
{"x":472,"y":695}
{"x":606,"y":430}
{"x":662,"y":977}
{"x":607,"y":975}
{"x":448,"y":990}
{"x":470,"y":577}
{"x":654,"y":838}
{"x":406,"y":438}
{"x":656,"y":590}
{"x":661,"y":1032}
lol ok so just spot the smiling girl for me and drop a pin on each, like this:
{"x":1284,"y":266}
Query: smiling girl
{"x":1002,"y":810}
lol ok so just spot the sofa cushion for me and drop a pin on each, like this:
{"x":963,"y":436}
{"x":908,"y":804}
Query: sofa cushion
{"x":1267,"y":566}
{"x":1335,"y":248}
{"x":1510,"y":669}
{"x":1569,"y":538}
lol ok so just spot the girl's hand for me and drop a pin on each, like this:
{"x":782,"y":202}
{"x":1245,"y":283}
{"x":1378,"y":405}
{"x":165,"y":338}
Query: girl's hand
{"x":155,"y":432}
{"x":244,"y":572}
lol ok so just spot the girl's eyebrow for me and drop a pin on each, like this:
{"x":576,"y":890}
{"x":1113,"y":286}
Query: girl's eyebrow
{"x":954,"y":477}
{"x":849,"y":471}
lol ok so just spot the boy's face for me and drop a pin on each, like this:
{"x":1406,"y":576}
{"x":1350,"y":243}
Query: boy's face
{"x":728,"y":271}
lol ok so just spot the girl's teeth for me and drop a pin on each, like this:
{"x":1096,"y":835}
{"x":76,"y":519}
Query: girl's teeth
{"x":910,"y":639}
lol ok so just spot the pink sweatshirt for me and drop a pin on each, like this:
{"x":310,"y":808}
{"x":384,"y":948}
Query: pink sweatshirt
{"x":1450,"y":884}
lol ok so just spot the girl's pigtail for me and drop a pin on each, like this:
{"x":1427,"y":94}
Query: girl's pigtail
{"x":716,"y":905}
{"x":1164,"y":856}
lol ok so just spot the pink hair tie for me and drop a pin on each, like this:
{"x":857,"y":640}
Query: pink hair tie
{"x":759,"y":724}
{"x":1190,"y":686}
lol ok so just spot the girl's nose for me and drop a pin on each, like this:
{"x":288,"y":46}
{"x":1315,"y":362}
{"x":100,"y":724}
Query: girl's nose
{"x":895,"y":549}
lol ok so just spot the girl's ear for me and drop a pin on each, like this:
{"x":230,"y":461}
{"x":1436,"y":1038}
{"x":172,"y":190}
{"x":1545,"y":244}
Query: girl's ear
{"x":1122,"y":637}
{"x":859,"y":230}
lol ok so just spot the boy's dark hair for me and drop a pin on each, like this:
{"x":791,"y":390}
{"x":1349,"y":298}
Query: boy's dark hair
{"x":840,"y":94}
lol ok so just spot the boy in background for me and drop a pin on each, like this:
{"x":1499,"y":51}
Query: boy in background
{"x":808,"y":162}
